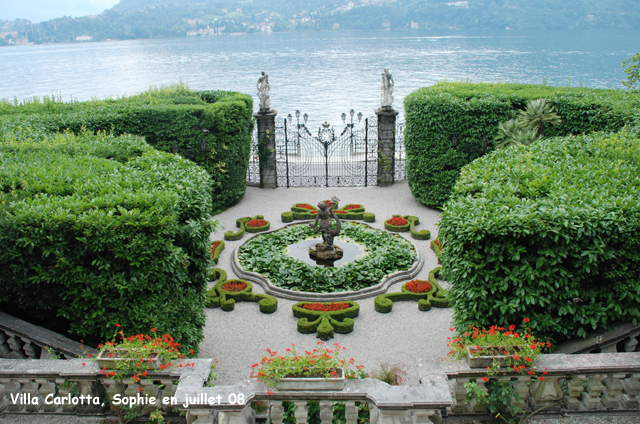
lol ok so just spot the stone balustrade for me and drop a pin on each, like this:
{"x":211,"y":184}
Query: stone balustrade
{"x":623,"y":337}
{"x":22,"y":340}
{"x":573,"y":384}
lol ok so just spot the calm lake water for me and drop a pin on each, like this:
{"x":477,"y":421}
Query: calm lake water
{"x":320,"y":73}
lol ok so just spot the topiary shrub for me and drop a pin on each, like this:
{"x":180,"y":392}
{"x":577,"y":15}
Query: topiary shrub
{"x":287,"y":216}
{"x":225,"y":293}
{"x":436,"y":247}
{"x":369,"y":217}
{"x":216,"y":248}
{"x":231,"y":236}
{"x":397,"y":224}
{"x":325,"y":318}
{"x":548,"y":232}
{"x":418,"y":235}
{"x":307,"y":211}
{"x":470,"y":112}
{"x":99,"y":230}
{"x":431,"y":294}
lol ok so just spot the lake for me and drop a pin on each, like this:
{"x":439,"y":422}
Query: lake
{"x":319,"y":73}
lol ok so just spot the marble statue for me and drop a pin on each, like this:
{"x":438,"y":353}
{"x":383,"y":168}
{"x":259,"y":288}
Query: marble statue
{"x":387,"y":89}
{"x":263,"y":93}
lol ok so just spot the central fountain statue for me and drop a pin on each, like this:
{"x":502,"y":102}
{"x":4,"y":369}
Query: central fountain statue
{"x":326,"y":250}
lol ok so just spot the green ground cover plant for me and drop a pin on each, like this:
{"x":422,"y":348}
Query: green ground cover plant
{"x":549,"y":232}
{"x":469,"y":113}
{"x":98,"y":230}
{"x":385,"y":253}
{"x":170,"y":118}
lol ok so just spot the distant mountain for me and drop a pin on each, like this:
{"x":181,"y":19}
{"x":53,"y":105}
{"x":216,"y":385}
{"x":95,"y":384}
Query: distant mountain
{"x":182,"y":18}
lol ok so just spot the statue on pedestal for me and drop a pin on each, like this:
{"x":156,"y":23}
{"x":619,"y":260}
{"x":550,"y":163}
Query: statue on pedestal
{"x":326,"y":250}
{"x":263,"y":93}
{"x":387,"y":90}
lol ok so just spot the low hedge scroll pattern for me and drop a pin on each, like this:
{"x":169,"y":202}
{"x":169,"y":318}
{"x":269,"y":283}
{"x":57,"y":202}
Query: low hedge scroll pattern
{"x":351,"y":211}
{"x":412,"y":222}
{"x":325,"y":323}
{"x":241,"y":223}
{"x":437,"y":296}
{"x":217,"y":246}
{"x":217,"y":296}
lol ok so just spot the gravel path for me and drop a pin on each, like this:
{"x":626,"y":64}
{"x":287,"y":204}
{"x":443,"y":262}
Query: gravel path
{"x":406,"y":335}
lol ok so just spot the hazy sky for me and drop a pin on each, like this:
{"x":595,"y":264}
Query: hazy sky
{"x":43,"y":10}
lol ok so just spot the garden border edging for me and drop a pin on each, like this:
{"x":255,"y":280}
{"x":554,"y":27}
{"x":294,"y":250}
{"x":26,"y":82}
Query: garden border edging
{"x":372,"y":291}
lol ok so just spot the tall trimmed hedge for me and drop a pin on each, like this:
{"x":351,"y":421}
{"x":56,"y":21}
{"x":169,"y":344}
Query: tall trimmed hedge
{"x":102,"y":230}
{"x":473,"y":112}
{"x":165,"y":118}
{"x":549,"y":232}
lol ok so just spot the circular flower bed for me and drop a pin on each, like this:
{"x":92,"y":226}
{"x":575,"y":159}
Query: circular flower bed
{"x":325,"y":307}
{"x":256,"y":223}
{"x":385,"y":253}
{"x":397,"y":224}
{"x":234,"y":286}
{"x":418,"y":286}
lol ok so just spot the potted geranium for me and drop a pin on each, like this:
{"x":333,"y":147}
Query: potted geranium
{"x":319,"y":369}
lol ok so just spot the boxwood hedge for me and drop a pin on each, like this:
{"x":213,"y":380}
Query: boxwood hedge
{"x":549,"y":232}
{"x":166,"y":118}
{"x":99,"y":230}
{"x":473,"y":111}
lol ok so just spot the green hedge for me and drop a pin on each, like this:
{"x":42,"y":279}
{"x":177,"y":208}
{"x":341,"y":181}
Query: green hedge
{"x":324,"y":324}
{"x":215,"y":253}
{"x":549,"y":232}
{"x":437,"y":296}
{"x":217,"y":296}
{"x":101,"y":230}
{"x":165,"y":118}
{"x":473,"y":111}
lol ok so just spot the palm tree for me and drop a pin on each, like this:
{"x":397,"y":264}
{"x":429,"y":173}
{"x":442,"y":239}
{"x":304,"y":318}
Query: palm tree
{"x":536,"y":115}
{"x":506,"y":133}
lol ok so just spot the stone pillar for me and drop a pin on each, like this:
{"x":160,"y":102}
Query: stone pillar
{"x":267,"y":148}
{"x":386,"y":145}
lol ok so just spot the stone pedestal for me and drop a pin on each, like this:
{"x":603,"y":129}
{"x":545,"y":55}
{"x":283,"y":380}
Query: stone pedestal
{"x":386,"y":145}
{"x":333,"y":254}
{"x":266,"y":121}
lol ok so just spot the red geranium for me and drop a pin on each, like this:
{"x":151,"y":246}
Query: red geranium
{"x":397,"y":221}
{"x":352,"y":207}
{"x":302,"y":205}
{"x":234,"y":286}
{"x":340,"y":212}
{"x":418,"y":286}
{"x":325,"y":307}
{"x":437,"y":242}
{"x":256,"y":223}
{"x":214,"y":246}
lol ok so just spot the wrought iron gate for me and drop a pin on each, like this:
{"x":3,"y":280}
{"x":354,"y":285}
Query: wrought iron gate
{"x":327,"y":158}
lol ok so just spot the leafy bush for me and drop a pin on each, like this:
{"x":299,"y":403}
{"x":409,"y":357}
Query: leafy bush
{"x":472,"y":112}
{"x":98,"y":231}
{"x":549,"y":232}
{"x":166,"y":117}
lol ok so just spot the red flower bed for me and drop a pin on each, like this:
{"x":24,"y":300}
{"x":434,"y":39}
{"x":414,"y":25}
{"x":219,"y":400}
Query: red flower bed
{"x":301,"y":205}
{"x":437,"y":242}
{"x":418,"y":286}
{"x":325,"y":307}
{"x":255,"y":223}
{"x":214,"y":246}
{"x":340,"y":212}
{"x":234,"y":286}
{"x":397,"y":221}
{"x":348,"y":208}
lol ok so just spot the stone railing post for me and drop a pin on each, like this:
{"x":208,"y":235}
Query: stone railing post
{"x":386,"y":145}
{"x":267,"y":147}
